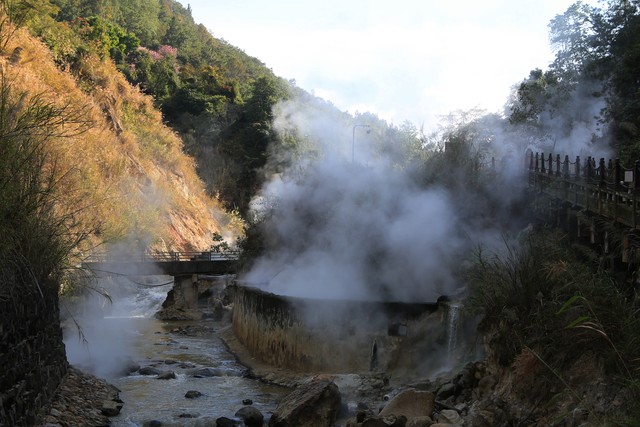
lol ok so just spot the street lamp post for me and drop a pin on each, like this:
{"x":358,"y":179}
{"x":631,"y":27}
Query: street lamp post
{"x":353,"y":139}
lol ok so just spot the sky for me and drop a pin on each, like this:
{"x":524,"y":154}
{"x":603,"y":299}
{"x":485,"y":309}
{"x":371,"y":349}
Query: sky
{"x":404,"y":60}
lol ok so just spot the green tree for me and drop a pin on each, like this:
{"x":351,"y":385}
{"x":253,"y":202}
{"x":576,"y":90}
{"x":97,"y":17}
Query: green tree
{"x":247,"y":143}
{"x":575,"y":40}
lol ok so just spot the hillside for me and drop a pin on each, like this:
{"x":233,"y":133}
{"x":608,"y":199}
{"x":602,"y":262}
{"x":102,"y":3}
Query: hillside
{"x":123,"y":173}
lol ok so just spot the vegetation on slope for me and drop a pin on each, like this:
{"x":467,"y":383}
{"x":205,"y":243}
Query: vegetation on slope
{"x":126,"y":172}
{"x":218,"y":99}
{"x":561,"y":323}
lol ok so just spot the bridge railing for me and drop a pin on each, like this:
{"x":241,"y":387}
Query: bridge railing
{"x":606,"y":188}
{"x":609,"y":173}
{"x":158,"y":256}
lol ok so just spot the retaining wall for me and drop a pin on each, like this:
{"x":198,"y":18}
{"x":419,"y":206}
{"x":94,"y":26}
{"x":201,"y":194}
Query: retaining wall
{"x":333,"y":336}
{"x":32,"y":354}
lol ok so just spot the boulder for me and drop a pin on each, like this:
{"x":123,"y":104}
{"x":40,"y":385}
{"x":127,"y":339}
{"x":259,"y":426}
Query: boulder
{"x":174,"y":314}
{"x":110,"y":408}
{"x":207,"y":372}
{"x":386,"y":421}
{"x":192,"y":394}
{"x":485,"y":387}
{"x":149,"y":370}
{"x":447,"y":390}
{"x":169,"y":375}
{"x":420,"y":422}
{"x":411,"y":403}
{"x":226,"y":422}
{"x":315,"y":404}
{"x":449,"y":416}
{"x":251,"y":416}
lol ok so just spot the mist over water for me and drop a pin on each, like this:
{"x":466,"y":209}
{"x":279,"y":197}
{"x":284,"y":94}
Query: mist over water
{"x":352,"y":232}
{"x":100,"y":332}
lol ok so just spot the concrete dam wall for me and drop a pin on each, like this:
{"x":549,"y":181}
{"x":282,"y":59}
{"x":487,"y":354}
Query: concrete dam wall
{"x":336,"y":336}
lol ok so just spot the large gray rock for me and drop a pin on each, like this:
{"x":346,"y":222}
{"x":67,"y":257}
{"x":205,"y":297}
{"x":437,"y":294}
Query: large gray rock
{"x":251,"y":416}
{"x":172,"y":314}
{"x":110,"y":408}
{"x":315,"y":404}
{"x":149,"y":370}
{"x":411,"y":403}
{"x":420,"y":422}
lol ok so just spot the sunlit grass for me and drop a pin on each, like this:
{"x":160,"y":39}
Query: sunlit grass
{"x":126,"y":174}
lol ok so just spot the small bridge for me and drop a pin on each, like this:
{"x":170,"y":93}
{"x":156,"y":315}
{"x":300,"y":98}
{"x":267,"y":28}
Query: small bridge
{"x":164,"y":263}
{"x":183,"y":266}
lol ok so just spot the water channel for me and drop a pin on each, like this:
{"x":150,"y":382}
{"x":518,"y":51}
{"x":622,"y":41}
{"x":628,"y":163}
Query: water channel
{"x":125,"y":331}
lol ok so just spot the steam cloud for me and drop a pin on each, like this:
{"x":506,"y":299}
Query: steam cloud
{"x":100,"y":332}
{"x":363,"y":230}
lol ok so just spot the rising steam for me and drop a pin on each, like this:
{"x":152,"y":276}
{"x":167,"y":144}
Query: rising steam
{"x":363,"y":229}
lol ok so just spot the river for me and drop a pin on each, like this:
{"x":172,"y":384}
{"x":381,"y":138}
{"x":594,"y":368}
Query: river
{"x":125,"y":331}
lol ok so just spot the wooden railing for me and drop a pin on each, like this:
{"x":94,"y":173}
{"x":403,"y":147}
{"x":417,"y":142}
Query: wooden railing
{"x":606,"y":188}
{"x":163,"y":256}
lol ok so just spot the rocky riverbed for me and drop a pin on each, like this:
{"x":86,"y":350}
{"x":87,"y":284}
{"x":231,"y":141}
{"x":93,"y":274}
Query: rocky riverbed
{"x":82,"y":400}
{"x":477,"y":393}
{"x":474,"y":395}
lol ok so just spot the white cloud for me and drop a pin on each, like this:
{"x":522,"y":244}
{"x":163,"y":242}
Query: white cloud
{"x":403,"y":60}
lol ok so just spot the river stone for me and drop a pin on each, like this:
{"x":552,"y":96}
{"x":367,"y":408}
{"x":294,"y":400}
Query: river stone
{"x":149,"y":370}
{"x":386,"y":421}
{"x":226,"y":422}
{"x":169,"y":375}
{"x":110,"y":408}
{"x":449,"y":416}
{"x":192,"y":394}
{"x":447,"y":390}
{"x":172,"y":314}
{"x":485,"y":387}
{"x":207,"y":372}
{"x":420,"y":422}
{"x":314,"y":404}
{"x":411,"y":403}
{"x":251,"y":416}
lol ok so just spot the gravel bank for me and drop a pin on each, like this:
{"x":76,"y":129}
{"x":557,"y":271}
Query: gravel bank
{"x":79,"y":401}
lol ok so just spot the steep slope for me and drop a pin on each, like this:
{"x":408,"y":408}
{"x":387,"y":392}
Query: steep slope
{"x":124,"y":176}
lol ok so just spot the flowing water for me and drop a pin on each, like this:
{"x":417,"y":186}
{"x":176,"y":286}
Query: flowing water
{"x":125,"y":331}
{"x":453,"y":320}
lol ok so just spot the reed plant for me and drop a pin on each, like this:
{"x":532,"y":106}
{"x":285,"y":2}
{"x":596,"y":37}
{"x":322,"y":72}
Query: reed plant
{"x":540,"y":295}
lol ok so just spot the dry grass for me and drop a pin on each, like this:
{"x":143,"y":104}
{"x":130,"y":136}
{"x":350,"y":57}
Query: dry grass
{"x":126,"y":174}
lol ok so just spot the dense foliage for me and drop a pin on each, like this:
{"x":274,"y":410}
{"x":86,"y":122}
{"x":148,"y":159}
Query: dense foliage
{"x":217,"y":98}
{"x":593,"y":76}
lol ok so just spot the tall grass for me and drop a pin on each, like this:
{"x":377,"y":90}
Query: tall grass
{"x":38,"y":234}
{"x":538,"y":295}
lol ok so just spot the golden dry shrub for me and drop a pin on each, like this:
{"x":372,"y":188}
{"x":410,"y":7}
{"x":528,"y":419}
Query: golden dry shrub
{"x":125,"y":174}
